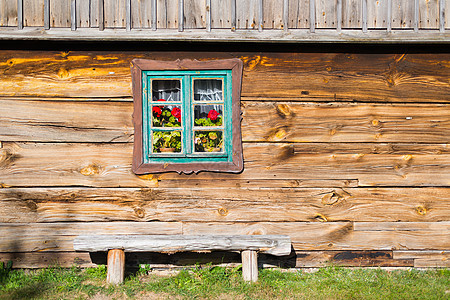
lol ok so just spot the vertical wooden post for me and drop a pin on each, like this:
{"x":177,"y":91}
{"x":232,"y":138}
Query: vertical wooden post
{"x":286,"y":15}
{"x":101,"y":15}
{"x":250,"y":265}
{"x":312,"y":15}
{"x":233,"y":15}
{"x":389,"y":16}
{"x":208,"y":15}
{"x":364,"y":15}
{"x":442,"y":15}
{"x":73,"y":15}
{"x":19,"y":14}
{"x":416,"y":16}
{"x":261,"y":16}
{"x":154,"y":15}
{"x":116,"y":266}
{"x":128,"y":16}
{"x":180,"y":15}
{"x":339,"y":16}
{"x":46,"y":14}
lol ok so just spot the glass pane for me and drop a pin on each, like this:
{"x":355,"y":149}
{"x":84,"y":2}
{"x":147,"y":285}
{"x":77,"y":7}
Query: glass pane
{"x":208,"y":141}
{"x":166,"y":90}
{"x":208,"y":115}
{"x":166,"y":116}
{"x":166,"y":141}
{"x":208,"y":90}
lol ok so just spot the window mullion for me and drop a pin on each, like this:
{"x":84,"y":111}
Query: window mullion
{"x":187,"y":104}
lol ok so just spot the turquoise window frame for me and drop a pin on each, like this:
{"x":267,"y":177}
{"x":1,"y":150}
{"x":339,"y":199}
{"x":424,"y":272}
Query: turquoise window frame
{"x":187,"y":125}
{"x":145,"y":159}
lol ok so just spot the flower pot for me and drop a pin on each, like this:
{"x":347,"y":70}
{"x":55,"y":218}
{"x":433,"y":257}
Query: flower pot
{"x":166,"y":150}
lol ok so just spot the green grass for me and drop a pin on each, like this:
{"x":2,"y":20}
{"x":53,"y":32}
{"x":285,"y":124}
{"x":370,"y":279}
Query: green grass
{"x":226,"y":283}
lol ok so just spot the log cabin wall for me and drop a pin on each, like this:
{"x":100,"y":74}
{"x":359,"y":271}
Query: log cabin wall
{"x":347,"y":152}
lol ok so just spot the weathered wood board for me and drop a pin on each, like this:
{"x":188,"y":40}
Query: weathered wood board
{"x":326,"y":13}
{"x":25,"y":205}
{"x":311,"y":77}
{"x":195,"y":14}
{"x":114,"y":15}
{"x":79,"y":121}
{"x":60,"y":13}
{"x":109,"y":165}
{"x":141,"y":14}
{"x":8,"y":13}
{"x":298,"y":14}
{"x":304,"y":235}
{"x":33,"y":12}
{"x":221,"y":13}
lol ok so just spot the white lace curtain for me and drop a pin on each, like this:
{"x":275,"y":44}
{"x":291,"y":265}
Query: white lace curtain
{"x":168,"y":90}
{"x":208,"y":90}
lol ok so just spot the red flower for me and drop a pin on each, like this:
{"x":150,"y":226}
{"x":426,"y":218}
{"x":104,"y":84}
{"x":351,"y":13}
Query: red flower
{"x":157,"y":111}
{"x":176,"y":112}
{"x":213,"y":115}
{"x":161,"y":100}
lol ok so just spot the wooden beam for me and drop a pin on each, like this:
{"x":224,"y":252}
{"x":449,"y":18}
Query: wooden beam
{"x":278,"y":245}
{"x":20,"y":14}
{"x":73,"y":15}
{"x":224,"y":35}
{"x":46,"y":14}
{"x":116,"y":266}
{"x":250,"y":265}
{"x":312,"y":16}
{"x":101,"y":15}
{"x":208,"y":15}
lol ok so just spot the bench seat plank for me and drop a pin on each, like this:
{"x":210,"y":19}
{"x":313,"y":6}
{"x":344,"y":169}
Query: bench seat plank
{"x":278,"y":245}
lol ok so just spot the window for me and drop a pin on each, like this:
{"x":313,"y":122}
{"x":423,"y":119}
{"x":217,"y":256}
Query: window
{"x":187,"y":116}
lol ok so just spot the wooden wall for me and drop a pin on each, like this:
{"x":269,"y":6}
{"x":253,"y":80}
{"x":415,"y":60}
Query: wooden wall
{"x":348,"y":153}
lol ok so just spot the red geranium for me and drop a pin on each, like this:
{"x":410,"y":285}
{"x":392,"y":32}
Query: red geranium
{"x":213,"y":114}
{"x":176,"y":112}
{"x":161,"y":100}
{"x":157,"y":111}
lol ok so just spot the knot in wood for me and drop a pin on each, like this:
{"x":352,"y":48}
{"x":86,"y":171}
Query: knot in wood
{"x":421,"y":210}
{"x":91,"y":170}
{"x":222,"y":211}
{"x":139,"y":212}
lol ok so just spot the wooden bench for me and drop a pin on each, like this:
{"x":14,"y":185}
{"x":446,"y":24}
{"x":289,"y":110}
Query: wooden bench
{"x":248,"y":245}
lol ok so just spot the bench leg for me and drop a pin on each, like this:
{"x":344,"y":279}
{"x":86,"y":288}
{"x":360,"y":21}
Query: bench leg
{"x":250,"y":265}
{"x":116,"y":266}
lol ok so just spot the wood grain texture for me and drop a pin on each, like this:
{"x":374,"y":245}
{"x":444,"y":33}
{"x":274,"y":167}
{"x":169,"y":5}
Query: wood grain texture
{"x":33,"y":12}
{"x":79,"y":121}
{"x":377,"y":13}
{"x":221,"y":13}
{"x":311,"y":77}
{"x":278,"y":245}
{"x":273,"y":14}
{"x":25,"y":205}
{"x":141,"y":12}
{"x":115,"y":13}
{"x":335,"y":235}
{"x":50,"y":237}
{"x":109,"y":165}
{"x":60,"y":13}
{"x":250,"y":265}
{"x":116,"y":266}
{"x":402,"y":14}
{"x":195,"y":14}
{"x":352,"y":14}
{"x":298,"y":14}
{"x":326,"y":14}
{"x":428,"y":14}
{"x":247,"y":14}
{"x":82,"y":13}
{"x":8,"y":13}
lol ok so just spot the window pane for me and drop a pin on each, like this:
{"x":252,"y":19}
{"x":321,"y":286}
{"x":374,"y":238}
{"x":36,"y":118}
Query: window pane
{"x":166,"y":90}
{"x":208,"y":141}
{"x":208,"y":90}
{"x":208,"y":115}
{"x":166,"y":141}
{"x":166,"y":116}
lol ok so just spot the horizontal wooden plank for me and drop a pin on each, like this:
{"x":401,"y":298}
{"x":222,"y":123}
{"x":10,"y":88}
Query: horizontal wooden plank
{"x":279,"y":245}
{"x":407,"y":226}
{"x":80,"y":121}
{"x":50,"y":237}
{"x":436,"y":254}
{"x":295,"y":122}
{"x":317,"y":76}
{"x":333,"y":235}
{"x":70,"y":121}
{"x":226,"y":35}
{"x":432,"y":263}
{"x":207,"y":204}
{"x":109,"y":165}
{"x":299,"y":259}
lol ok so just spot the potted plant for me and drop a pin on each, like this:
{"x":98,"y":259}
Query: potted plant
{"x":213,"y":119}
{"x":166,"y":141}
{"x":208,"y":141}
{"x":166,"y":116}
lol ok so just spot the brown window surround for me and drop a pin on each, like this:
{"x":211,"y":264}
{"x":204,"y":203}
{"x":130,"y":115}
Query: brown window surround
{"x":235,"y":160}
